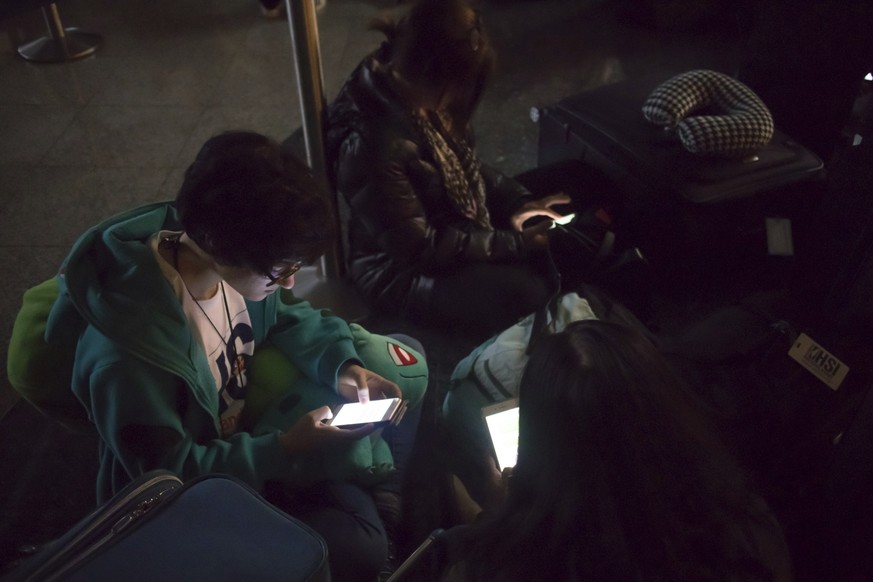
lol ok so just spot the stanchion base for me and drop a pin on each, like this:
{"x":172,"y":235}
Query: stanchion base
{"x":74,"y":45}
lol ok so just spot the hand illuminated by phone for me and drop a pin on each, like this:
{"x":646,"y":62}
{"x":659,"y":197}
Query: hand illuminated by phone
{"x":536,"y":236}
{"x":356,"y":383}
{"x":311,"y":434}
{"x":541,"y":207}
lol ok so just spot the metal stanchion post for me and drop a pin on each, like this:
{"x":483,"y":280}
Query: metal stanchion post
{"x":332,"y":291}
{"x":310,"y":85}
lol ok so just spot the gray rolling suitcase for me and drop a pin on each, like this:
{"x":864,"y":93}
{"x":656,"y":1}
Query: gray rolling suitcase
{"x":157,"y":528}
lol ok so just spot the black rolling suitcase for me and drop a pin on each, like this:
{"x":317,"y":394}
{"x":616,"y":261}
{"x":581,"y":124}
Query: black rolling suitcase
{"x":837,"y":268}
{"x":157,"y":528}
{"x":837,"y":282}
{"x":845,"y":548}
{"x":686,"y":210}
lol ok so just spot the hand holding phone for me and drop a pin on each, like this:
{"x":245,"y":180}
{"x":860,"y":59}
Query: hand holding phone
{"x":540,"y":207}
{"x":376,"y":412}
{"x":311,"y":433}
{"x":564,"y":220}
{"x":354,"y":382}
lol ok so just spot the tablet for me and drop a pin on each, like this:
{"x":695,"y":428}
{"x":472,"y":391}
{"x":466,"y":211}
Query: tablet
{"x":502,"y":422}
{"x":380,"y":412}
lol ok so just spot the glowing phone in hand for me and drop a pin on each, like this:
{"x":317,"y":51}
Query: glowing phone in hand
{"x":380,"y":412}
{"x":566,"y":219}
{"x":502,"y":422}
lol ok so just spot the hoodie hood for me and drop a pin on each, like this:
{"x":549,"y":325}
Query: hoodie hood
{"x":111,"y":281}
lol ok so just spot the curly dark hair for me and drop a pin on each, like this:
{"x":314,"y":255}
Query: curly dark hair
{"x":250,"y":204}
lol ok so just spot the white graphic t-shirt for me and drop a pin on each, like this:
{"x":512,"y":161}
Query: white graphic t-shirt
{"x":222,"y":325}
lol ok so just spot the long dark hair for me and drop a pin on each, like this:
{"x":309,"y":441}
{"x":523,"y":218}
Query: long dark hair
{"x":618,"y":476}
{"x":438,"y":49}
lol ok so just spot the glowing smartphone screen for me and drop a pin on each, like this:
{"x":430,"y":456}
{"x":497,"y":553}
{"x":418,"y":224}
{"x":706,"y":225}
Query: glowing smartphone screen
{"x":502,"y":422}
{"x":567,"y":219}
{"x":357,"y":413}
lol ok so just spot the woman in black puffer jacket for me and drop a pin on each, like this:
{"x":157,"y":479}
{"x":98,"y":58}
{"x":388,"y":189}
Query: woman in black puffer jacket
{"x":435,"y":235}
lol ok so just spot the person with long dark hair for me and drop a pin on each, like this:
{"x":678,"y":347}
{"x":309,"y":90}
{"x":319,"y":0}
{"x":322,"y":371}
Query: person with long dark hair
{"x":619,"y":477}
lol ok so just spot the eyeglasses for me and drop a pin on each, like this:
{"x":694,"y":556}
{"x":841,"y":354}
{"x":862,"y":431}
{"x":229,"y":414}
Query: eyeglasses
{"x":282,"y":274}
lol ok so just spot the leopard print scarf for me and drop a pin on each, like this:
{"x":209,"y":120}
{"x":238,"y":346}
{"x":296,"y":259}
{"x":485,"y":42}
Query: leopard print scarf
{"x":460,"y":169}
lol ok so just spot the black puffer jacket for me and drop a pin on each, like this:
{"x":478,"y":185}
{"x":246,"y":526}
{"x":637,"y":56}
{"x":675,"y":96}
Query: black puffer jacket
{"x":404,"y":231}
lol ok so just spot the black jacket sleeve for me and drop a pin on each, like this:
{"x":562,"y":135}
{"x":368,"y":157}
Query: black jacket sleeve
{"x":398,"y":196}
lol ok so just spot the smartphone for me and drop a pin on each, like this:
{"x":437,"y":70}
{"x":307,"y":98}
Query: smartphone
{"x":380,"y":412}
{"x":566,"y":219}
{"x":502,"y":422}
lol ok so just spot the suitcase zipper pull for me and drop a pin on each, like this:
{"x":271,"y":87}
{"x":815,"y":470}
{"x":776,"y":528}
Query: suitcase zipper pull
{"x":93,"y":535}
{"x":141,"y":509}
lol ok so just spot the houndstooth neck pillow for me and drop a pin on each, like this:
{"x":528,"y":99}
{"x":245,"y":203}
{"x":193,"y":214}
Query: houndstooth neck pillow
{"x":743,"y":126}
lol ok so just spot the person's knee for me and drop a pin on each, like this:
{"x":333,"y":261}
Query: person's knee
{"x":529,"y":294}
{"x":520,"y":297}
{"x":356,"y":543}
{"x":345,"y":517}
{"x":358,"y":557}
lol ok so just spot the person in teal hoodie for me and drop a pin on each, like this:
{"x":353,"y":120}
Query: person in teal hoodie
{"x":169,"y":301}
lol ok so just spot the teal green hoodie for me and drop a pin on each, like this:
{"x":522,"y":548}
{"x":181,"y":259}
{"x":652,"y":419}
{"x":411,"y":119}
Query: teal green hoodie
{"x":139,"y":365}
